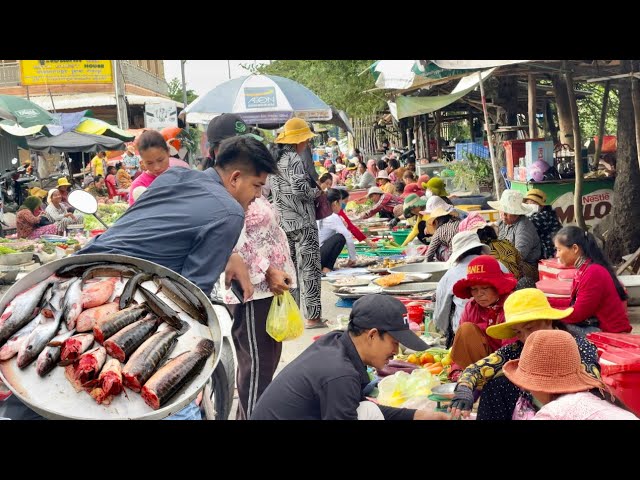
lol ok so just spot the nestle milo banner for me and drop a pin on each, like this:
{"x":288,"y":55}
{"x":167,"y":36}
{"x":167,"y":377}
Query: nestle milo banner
{"x":595,"y":206}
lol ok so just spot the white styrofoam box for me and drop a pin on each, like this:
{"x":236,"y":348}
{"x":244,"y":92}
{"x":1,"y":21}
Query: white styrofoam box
{"x":539,"y":150}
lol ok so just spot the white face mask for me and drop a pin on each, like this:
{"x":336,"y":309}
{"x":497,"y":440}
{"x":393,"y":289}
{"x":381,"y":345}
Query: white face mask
{"x":534,"y":209}
{"x":428,"y":194}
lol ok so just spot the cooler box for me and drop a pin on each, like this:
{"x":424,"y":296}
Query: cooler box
{"x":552,"y":269}
{"x":555,"y":288}
{"x":620,"y":366}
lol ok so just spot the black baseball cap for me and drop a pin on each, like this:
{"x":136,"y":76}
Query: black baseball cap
{"x":388,"y":314}
{"x":228,"y":125}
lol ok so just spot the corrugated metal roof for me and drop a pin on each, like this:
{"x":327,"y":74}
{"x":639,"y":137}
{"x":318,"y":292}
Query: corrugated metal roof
{"x":88,"y":100}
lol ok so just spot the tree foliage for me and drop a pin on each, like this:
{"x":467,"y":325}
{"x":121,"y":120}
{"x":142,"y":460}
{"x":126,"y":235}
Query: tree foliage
{"x":590,"y":109}
{"x":175,"y":92}
{"x":336,"y":82}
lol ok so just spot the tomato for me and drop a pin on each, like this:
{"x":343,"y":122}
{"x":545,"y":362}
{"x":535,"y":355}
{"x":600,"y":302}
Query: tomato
{"x":413,"y":358}
{"x":426,"y":358}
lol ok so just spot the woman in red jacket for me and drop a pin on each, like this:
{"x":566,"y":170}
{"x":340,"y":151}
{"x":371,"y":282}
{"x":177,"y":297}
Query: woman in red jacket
{"x":355,"y":231}
{"x":597,"y":296}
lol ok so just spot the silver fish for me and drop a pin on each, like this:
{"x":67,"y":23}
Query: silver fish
{"x":50,"y":356}
{"x":21,"y":309}
{"x":12,"y":346}
{"x":38,"y":339}
{"x":72,"y":303}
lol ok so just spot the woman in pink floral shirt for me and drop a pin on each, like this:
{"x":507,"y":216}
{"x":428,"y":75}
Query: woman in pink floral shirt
{"x":264,"y":248}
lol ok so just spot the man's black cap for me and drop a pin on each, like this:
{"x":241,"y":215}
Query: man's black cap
{"x":388,"y":314}
{"x":227,"y":125}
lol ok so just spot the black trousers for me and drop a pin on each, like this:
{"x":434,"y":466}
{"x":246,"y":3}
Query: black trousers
{"x":258,"y":354}
{"x":330,"y":250}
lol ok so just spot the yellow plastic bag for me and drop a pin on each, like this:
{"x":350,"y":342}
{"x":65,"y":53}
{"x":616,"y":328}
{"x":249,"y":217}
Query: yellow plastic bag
{"x":401,"y":387}
{"x":284,"y":321}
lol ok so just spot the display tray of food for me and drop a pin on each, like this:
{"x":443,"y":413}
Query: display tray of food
{"x":357,"y":292}
{"x":410,"y":288}
{"x":359,"y":281}
{"x":106,"y":337}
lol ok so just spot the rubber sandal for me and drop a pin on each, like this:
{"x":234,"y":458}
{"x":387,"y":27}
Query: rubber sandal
{"x":316,"y":325}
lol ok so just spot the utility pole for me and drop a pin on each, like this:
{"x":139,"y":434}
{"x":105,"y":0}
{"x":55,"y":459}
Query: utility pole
{"x":184,"y":84}
{"x":121,"y":102}
{"x":229,"y":68}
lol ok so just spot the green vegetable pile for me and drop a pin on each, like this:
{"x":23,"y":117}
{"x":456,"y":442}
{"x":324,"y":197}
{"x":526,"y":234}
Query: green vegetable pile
{"x":108,"y":213}
{"x":5,"y":250}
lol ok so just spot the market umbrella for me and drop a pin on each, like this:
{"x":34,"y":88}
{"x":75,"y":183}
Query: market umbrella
{"x":26,"y":113}
{"x":75,"y":142}
{"x":266,"y":101}
{"x":95,"y":126}
{"x":4,"y":115}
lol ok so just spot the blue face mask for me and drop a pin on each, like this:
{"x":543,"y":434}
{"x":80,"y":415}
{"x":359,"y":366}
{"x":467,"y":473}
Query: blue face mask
{"x":343,"y":205}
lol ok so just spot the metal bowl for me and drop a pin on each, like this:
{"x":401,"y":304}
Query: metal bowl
{"x":53,"y":396}
{"x":410,"y":288}
{"x":15,"y":258}
{"x":436,"y":269}
{"x":445,"y":390}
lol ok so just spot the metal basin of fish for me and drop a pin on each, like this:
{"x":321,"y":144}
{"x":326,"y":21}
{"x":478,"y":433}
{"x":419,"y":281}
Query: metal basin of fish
{"x":54,"y":397}
{"x":436,"y":269}
{"x":409,"y":288}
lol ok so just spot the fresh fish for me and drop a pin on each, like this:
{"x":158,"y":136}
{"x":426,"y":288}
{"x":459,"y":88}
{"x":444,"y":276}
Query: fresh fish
{"x":98,"y":293}
{"x":175,"y":373}
{"x":127,"y":340}
{"x":161,"y":309}
{"x":72,"y":303}
{"x":171,"y":290}
{"x":191,"y":297}
{"x":130,"y":288}
{"x":112,"y":270}
{"x":86,"y":368}
{"x":41,"y":335}
{"x":109,"y":383}
{"x":50,"y":356}
{"x":76,"y":269}
{"x":73,"y":347}
{"x":87,"y":319}
{"x":21,"y":310}
{"x":147,"y":357}
{"x":58,"y":294}
{"x":12,"y":346}
{"x":107,"y":326}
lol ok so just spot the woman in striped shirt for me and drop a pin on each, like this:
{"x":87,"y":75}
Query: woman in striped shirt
{"x":444,"y":222}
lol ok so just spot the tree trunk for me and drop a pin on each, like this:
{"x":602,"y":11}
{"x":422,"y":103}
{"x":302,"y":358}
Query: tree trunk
{"x":506,"y":99}
{"x":603,"y":117}
{"x":577,"y":159}
{"x":624,"y":236}
{"x":551,"y":123}
{"x":533,"y":126}
{"x":564,"y":110}
{"x":438,"y":135}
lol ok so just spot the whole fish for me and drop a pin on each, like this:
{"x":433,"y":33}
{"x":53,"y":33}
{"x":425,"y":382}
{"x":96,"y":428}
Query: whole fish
{"x":76,"y":269}
{"x":171,"y":290}
{"x":72,"y":303}
{"x":50,"y":356}
{"x":112,"y":270}
{"x":147,"y":357}
{"x":175,"y":373}
{"x":87,"y":319}
{"x":86,"y":368}
{"x":41,"y":335}
{"x":73,"y":347}
{"x":58,"y":293}
{"x":191,"y":297}
{"x":12,"y":346}
{"x":130,"y":288}
{"x":21,"y":310}
{"x":107,"y":326}
{"x":109,"y":383}
{"x":98,"y":293}
{"x":126,"y":341}
{"x":161,"y":309}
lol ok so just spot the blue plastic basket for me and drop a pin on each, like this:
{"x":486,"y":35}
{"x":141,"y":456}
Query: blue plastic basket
{"x":462,"y":149}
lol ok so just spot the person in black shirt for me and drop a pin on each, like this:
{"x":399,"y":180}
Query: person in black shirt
{"x":326,"y":381}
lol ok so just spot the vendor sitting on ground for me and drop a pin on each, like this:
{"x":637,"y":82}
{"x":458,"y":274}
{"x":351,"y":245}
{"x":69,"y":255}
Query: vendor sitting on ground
{"x":444,"y":223}
{"x":525,"y":311}
{"x":413,"y":204}
{"x":550,"y":369}
{"x":334,"y":235}
{"x":448,"y":309}
{"x":501,"y":250}
{"x":489,"y":287}
{"x":98,"y":189}
{"x":123,"y":179}
{"x":383,"y":203}
{"x":409,"y":177}
{"x":325,"y":382}
{"x":597,"y":296}
{"x":31,"y":225}
{"x":437,"y":188}
{"x":325,"y":181}
{"x":57,"y":214}
{"x":545,"y":219}
{"x":516,"y":227}
{"x":368,"y":174}
{"x":384,"y":183}
{"x":111,"y":183}
{"x":63,"y":188}
{"x":355,"y":231}
{"x":412,"y":188}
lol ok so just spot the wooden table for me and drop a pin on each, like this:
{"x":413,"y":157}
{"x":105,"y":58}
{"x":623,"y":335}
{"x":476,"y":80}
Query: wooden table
{"x":490,"y":215}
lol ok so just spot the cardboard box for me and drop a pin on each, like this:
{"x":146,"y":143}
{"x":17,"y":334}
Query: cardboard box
{"x":539,"y":151}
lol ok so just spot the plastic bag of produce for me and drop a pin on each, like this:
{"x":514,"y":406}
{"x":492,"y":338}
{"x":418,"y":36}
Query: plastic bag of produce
{"x":397,"y":389}
{"x":284,"y":321}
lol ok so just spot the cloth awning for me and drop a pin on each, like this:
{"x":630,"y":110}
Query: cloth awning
{"x":88,"y":100}
{"x":75,"y":142}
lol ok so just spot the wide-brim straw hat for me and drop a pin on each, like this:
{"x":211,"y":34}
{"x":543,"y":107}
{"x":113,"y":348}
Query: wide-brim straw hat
{"x":550,"y":363}
{"x":441,"y":212}
{"x":383,"y":174}
{"x":295,"y":131}
{"x":537,"y":196}
{"x":511,"y":202}
{"x":523,"y":306}
{"x":414,"y":200}
{"x":463,"y":242}
{"x":63,"y":182}
{"x":374,"y":190}
{"x":484,"y":270}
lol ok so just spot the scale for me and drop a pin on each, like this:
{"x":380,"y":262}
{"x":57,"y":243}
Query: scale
{"x":442,"y":403}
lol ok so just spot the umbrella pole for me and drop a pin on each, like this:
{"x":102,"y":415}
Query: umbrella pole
{"x":494,"y":165}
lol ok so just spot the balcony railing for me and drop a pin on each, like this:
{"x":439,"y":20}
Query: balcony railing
{"x":135,"y":75}
{"x":9,"y":74}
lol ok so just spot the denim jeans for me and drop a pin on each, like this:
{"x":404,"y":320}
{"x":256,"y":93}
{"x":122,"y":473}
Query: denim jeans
{"x":190,"y":412}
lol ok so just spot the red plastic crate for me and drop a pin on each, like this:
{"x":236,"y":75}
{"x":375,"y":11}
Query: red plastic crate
{"x":620,"y":369}
{"x":621,"y":340}
{"x":554,"y":287}
{"x":552,"y":269}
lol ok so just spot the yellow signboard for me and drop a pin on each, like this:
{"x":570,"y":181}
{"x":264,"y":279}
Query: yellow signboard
{"x":56,"y":72}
